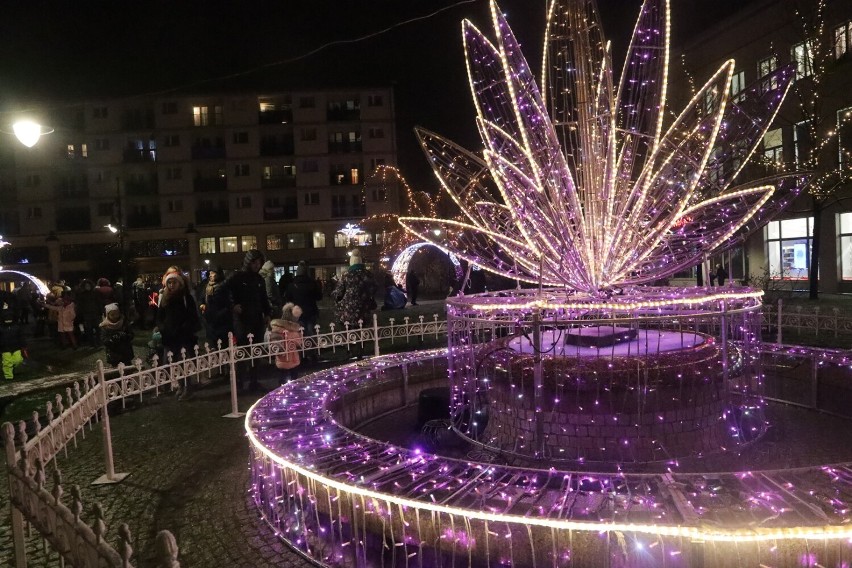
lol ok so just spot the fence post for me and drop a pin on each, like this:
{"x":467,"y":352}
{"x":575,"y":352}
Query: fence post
{"x":778,"y":339}
{"x":17,"y":516}
{"x":110,"y":476}
{"x":814,"y":381}
{"x":376,"y":335}
{"x":232,"y":369}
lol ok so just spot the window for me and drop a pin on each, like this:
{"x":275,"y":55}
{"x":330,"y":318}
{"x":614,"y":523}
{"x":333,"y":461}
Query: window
{"x":307,"y":102}
{"x":341,"y":240}
{"x":32,"y":180}
{"x":737,"y":85}
{"x":310,"y":166}
{"x":308,"y":134}
{"x":802,"y":143}
{"x":33,"y":212}
{"x":844,"y":136}
{"x":312,"y":198}
{"x":174,"y":173}
{"x":375,"y":100}
{"x":241,"y":137}
{"x":319,"y":240}
{"x":171,"y":140}
{"x":842,"y":39}
{"x":376,"y":162}
{"x":106,"y":209}
{"x":102,"y":144}
{"x":228,"y":244}
{"x":74,"y":151}
{"x":170,"y":107}
{"x":99,"y":112}
{"x":380,"y":195}
{"x":845,"y":236}
{"x":376,"y":133}
{"x":295,"y":240}
{"x":273,"y":242}
{"x":773,"y":146}
{"x":248,"y":242}
{"x":207,"y":245}
{"x":200,"y":116}
{"x":241,"y":170}
{"x":803,"y":55}
{"x":175,"y":205}
{"x":355,"y":176}
{"x":244,"y":202}
{"x":765,"y":67}
{"x":788,"y":245}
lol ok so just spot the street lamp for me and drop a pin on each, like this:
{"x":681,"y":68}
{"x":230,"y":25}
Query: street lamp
{"x":28,"y":132}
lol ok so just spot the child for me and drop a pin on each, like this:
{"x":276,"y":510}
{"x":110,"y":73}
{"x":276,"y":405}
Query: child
{"x":116,"y":337}
{"x":155,"y":345}
{"x":65,"y":312}
{"x":13,"y":347}
{"x":287,"y":332}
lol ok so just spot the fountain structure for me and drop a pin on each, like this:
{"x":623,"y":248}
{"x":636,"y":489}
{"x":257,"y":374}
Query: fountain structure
{"x":572,"y":401}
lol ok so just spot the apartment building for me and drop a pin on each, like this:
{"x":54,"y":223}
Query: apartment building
{"x":195,"y":180}
{"x":812,"y":131}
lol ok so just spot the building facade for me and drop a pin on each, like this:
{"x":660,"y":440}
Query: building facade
{"x":195,"y":181}
{"x":812,"y":131}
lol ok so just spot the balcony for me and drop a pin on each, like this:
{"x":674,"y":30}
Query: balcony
{"x":343,"y":114}
{"x":210,"y":184}
{"x":147,"y":220}
{"x":208,"y":152}
{"x":283,"y":116}
{"x":346,"y":178}
{"x":274,"y":147}
{"x":142,"y":187}
{"x":344,"y":147}
{"x":212,"y":216}
{"x":280,"y":213}
{"x":278,"y":181}
{"x":134,"y":156}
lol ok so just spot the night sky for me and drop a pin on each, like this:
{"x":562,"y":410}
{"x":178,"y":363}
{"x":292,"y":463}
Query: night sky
{"x":73,"y":50}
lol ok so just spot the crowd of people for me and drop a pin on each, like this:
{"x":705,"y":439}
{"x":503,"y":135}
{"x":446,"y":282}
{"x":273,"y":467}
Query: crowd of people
{"x":249,"y":305}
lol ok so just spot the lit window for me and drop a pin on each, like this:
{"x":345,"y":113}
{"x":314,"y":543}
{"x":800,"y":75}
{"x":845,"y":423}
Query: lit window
{"x":295,"y":240}
{"x":803,"y":55}
{"x":788,"y":247}
{"x":737,"y":85}
{"x":766,"y":67}
{"x":844,"y":136}
{"x":355,"y":175}
{"x":319,"y":240}
{"x":341,"y":240}
{"x":200,"y":116}
{"x":228,"y":244}
{"x":273,"y":242}
{"x":842,"y":39}
{"x":773,"y":146}
{"x":207,"y":245}
{"x":845,"y":235}
{"x":248,"y":242}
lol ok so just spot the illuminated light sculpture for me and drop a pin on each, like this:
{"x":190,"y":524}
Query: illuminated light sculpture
{"x":584,"y":191}
{"x":400,"y":265}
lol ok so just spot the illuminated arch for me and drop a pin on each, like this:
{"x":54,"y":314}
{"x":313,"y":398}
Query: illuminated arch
{"x":37,"y":282}
{"x":400,"y":265}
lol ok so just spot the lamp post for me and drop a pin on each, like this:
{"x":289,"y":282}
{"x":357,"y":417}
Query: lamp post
{"x":119,"y":229}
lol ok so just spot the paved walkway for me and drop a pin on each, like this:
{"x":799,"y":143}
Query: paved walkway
{"x":189,"y":474}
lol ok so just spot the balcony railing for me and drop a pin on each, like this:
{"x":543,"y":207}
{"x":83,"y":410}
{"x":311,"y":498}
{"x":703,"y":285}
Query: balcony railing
{"x":283,"y":116}
{"x":210,"y":184}
{"x":344,"y":147}
{"x":280,"y":213}
{"x":134,"y":156}
{"x":278,"y":181}
{"x":208,"y":153}
{"x":212,"y":216}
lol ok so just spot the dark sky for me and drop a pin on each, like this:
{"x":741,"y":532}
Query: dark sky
{"x":76,"y":49}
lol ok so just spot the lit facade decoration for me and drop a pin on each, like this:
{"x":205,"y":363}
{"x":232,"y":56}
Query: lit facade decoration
{"x":582,"y":184}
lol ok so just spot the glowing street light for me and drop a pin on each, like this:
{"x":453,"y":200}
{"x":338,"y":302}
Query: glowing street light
{"x":28,"y":132}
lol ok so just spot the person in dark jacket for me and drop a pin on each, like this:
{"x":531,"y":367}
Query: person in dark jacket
{"x":116,"y":337}
{"x":89,"y":312}
{"x":412,"y":286}
{"x":216,"y":311}
{"x":177,"y":317}
{"x":721,"y":274}
{"x":305,"y":292}
{"x":251,"y":310}
{"x":355,"y":295}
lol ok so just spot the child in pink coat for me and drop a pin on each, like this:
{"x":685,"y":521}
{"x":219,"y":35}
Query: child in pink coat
{"x":65,"y":313}
{"x":286,"y":339}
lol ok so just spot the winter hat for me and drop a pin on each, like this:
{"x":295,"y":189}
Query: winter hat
{"x":103,"y":282}
{"x":355,"y":258}
{"x":302,"y":269}
{"x":173,"y":276}
{"x":268,"y":266}
{"x":111,"y":308}
{"x":251,"y":256}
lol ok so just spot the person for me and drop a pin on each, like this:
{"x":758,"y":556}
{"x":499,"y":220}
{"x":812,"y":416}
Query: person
{"x":250,"y":309}
{"x":216,"y":311}
{"x":13,"y":347}
{"x":23,"y":297}
{"x":305,"y":293}
{"x":412,"y":286}
{"x":177,"y":316}
{"x":105,"y":292}
{"x":116,"y":337}
{"x":394,"y":297}
{"x":89,"y":312}
{"x":273,"y":292}
{"x":66,"y":312}
{"x":721,"y":274}
{"x":354,"y":296}
{"x":286,"y":335}
{"x":139,"y":293}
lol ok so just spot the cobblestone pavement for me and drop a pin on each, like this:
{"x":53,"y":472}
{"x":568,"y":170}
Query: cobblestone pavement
{"x":189,"y":474}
